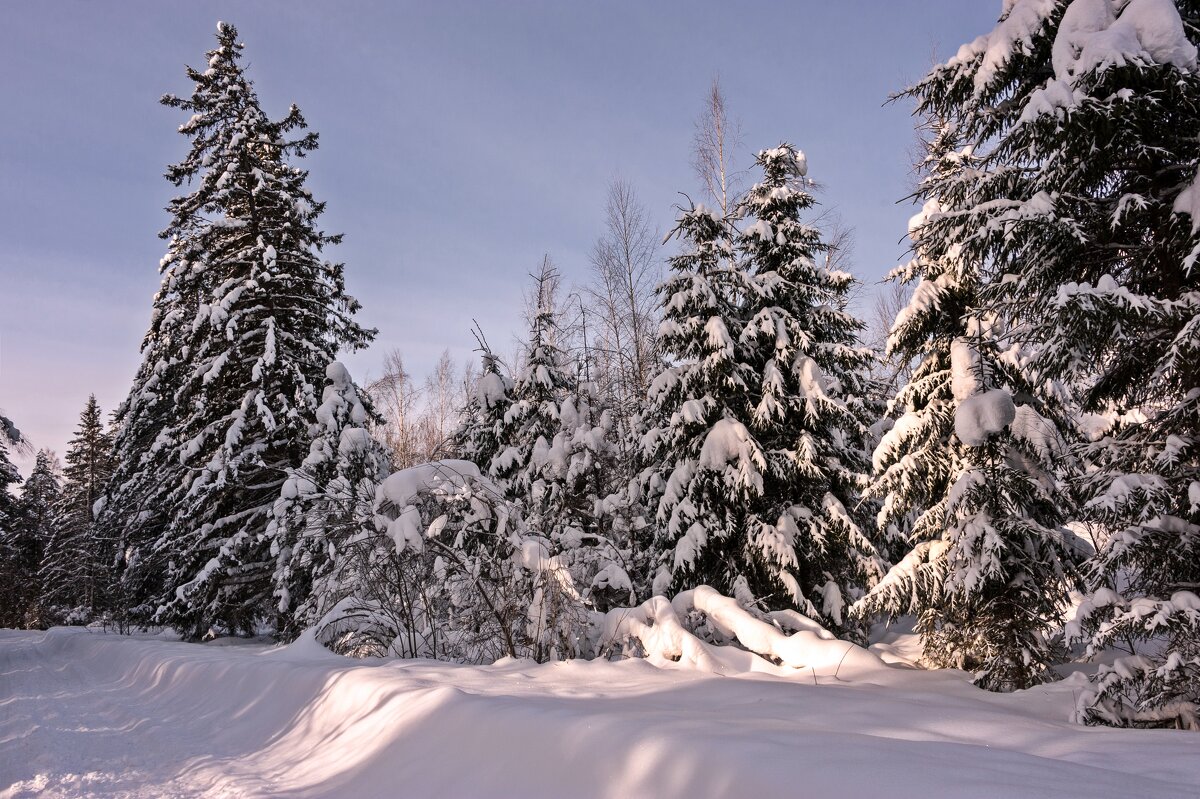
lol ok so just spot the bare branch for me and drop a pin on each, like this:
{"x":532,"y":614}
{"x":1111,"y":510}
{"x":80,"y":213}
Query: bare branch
{"x":715,"y":144}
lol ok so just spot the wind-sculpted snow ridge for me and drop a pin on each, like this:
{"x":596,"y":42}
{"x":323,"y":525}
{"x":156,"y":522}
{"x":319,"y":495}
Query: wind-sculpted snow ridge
{"x":91,"y":714}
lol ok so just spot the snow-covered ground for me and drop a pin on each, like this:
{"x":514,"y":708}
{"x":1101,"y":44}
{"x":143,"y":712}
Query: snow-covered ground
{"x":86,"y":713}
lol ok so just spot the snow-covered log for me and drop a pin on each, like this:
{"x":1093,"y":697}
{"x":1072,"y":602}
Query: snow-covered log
{"x":661,"y":628}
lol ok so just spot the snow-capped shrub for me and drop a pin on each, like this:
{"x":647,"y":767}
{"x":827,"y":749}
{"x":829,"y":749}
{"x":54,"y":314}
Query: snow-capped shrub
{"x":448,"y":571}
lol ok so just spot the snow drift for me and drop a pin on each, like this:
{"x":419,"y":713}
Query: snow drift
{"x":103,"y":715}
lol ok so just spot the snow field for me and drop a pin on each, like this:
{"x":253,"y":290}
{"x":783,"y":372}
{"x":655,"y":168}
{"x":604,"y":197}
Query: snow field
{"x":90,"y":714}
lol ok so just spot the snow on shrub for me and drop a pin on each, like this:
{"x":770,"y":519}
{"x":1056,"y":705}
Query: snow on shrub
{"x":450,"y":572}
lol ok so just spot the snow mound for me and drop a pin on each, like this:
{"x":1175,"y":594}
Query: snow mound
{"x":658,"y":626}
{"x":1093,"y":36}
{"x":1188,"y":202}
{"x":731,"y":449}
{"x":964,"y":370}
{"x":983,"y":415}
{"x":401,"y":487}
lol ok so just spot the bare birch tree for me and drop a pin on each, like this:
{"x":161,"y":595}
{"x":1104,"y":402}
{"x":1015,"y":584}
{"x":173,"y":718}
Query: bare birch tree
{"x":625,"y":270}
{"x":397,"y":399}
{"x":419,"y":419}
{"x":890,"y":370}
{"x":444,"y":399}
{"x":715,"y":143}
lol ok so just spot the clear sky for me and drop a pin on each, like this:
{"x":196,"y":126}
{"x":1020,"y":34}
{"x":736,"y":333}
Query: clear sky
{"x":459,"y":142}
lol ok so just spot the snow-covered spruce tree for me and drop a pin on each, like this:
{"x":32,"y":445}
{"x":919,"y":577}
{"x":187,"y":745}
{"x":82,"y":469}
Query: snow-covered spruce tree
{"x":916,"y":460}
{"x":701,"y":393}
{"x":31,"y":527}
{"x":532,"y":418}
{"x":557,"y":453}
{"x":812,"y":417}
{"x":10,"y":478}
{"x":479,"y":437}
{"x":247,"y":319}
{"x":1074,"y":128}
{"x":970,"y":476}
{"x":531,"y":464}
{"x":76,"y":572}
{"x":325,"y":503}
{"x":755,"y":425}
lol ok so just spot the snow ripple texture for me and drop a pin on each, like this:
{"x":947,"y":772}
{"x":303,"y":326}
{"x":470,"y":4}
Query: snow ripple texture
{"x":92,"y":714}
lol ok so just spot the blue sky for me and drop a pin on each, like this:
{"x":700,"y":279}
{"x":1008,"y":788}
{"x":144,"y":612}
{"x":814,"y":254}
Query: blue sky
{"x":459,"y":142}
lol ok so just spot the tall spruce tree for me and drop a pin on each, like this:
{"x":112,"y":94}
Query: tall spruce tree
{"x":76,"y":572}
{"x":812,"y":416}
{"x":31,"y":527}
{"x":758,"y":425}
{"x":247,"y":319}
{"x":701,"y":492}
{"x":1064,"y":160}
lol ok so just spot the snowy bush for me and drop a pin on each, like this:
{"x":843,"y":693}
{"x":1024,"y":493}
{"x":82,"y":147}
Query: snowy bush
{"x":448,"y":571}
{"x":1154,"y":689}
